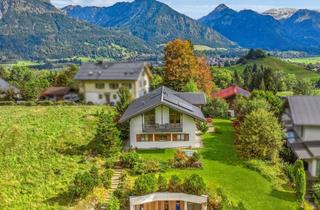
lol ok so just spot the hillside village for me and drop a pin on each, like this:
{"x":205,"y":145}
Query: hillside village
{"x":137,"y":106}
{"x":177,"y":136}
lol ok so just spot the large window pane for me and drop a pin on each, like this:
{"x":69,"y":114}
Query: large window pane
{"x":150,"y":117}
{"x":175,"y":117}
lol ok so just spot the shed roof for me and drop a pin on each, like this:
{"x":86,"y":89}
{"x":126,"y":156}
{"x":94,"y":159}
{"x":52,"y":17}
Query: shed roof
{"x":305,"y":110}
{"x":162,"y":96}
{"x":231,"y":91}
{"x":110,"y":71}
{"x":56,"y":91}
{"x":306,"y":150}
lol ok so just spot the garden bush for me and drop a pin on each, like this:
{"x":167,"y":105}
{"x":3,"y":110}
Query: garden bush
{"x":181,"y":160}
{"x":216,"y":108}
{"x":83,"y":184}
{"x":45,"y":103}
{"x":300,"y":181}
{"x":162,"y":184}
{"x":146,"y":166}
{"x":7,"y":103}
{"x":114,"y":203}
{"x":175,"y":184}
{"x":105,"y":178}
{"x":194,"y":185}
{"x":130,"y":159}
{"x":145,"y":184}
{"x":202,"y":126}
{"x":316,"y":194}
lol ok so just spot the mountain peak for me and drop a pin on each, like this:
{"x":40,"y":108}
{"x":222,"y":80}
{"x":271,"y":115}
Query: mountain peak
{"x":221,"y":7}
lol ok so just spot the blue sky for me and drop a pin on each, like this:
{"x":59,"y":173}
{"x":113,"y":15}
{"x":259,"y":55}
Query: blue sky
{"x":199,"y":8}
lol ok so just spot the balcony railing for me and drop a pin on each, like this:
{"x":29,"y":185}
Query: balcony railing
{"x":176,"y":127}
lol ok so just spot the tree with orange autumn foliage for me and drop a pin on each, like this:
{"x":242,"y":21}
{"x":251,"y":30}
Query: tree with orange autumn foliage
{"x":204,"y":76}
{"x":182,"y":66}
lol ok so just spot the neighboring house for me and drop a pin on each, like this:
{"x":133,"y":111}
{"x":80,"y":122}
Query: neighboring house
{"x":164,"y":118}
{"x":230,"y":93}
{"x":302,"y":122}
{"x":5,"y":86}
{"x":59,"y":94}
{"x":168,"y":201}
{"x":100,"y":83}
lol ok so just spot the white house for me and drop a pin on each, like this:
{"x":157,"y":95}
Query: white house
{"x":168,"y":201}
{"x":100,"y":82}
{"x":5,"y":86}
{"x":164,"y":118}
{"x":302,"y":122}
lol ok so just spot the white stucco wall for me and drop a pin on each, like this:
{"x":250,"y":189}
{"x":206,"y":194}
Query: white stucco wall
{"x":312,"y":167}
{"x":312,"y":133}
{"x":189,"y":127}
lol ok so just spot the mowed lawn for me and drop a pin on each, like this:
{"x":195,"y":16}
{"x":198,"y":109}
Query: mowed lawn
{"x":222,"y":168}
{"x":38,"y":153}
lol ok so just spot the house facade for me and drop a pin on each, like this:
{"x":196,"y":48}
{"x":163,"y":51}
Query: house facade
{"x":164,"y":119}
{"x":168,"y":201}
{"x":100,"y":82}
{"x":302,"y":122}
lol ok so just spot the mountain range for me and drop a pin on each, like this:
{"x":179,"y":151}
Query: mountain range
{"x":35,"y":29}
{"x":150,"y":20}
{"x":281,"y":29}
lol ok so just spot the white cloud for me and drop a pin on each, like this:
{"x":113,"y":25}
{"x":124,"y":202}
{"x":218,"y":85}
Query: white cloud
{"x":99,"y":3}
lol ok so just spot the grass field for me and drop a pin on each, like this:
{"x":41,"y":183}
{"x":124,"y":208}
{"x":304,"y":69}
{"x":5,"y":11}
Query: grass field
{"x":278,"y":64}
{"x":222,"y":168}
{"x":39,"y":156}
{"x":312,"y":60}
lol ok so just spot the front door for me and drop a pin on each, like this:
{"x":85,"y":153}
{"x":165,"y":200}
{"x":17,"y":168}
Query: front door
{"x":178,"y":205}
{"x":107,"y":95}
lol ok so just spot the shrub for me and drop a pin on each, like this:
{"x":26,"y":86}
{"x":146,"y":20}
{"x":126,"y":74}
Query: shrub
{"x":216,"y":108}
{"x":130,"y":159}
{"x":316,"y":194}
{"x":300,"y":180}
{"x":194,"y":185}
{"x":202,"y":126}
{"x":7,"y":103}
{"x":259,"y":136}
{"x":114,"y":203}
{"x":181,"y":160}
{"x":146,"y":166}
{"x":106,"y":178}
{"x":110,"y":162}
{"x":290,"y":172}
{"x":175,"y":184}
{"x":195,"y":157}
{"x":162,"y":184}
{"x":45,"y":103}
{"x":83,"y":184}
{"x":145,"y":184}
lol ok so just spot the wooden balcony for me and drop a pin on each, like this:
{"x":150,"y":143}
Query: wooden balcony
{"x":177,"y":127}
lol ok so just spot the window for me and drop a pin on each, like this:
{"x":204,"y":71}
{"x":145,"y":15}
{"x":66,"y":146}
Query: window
{"x":100,"y":85}
{"x":100,"y":96}
{"x":144,"y":137}
{"x":162,"y":137}
{"x":127,"y":85}
{"x":114,"y":96}
{"x":114,"y":86}
{"x":174,"y":117}
{"x":180,"y":137}
{"x":178,"y":205}
{"x":150,"y":117}
{"x":145,"y":83}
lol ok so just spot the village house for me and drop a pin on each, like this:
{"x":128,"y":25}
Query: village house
{"x":302,"y":122}
{"x":100,"y":82}
{"x":5,"y":87}
{"x":165,"y":118}
{"x":168,"y":201}
{"x":59,"y":94}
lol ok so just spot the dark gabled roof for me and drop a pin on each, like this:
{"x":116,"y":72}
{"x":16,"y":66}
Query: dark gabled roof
{"x":162,"y":96}
{"x":110,"y":71}
{"x":231,"y":91}
{"x":306,"y":150}
{"x":56,"y":91}
{"x":305,"y":110}
{"x":4,"y":85}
